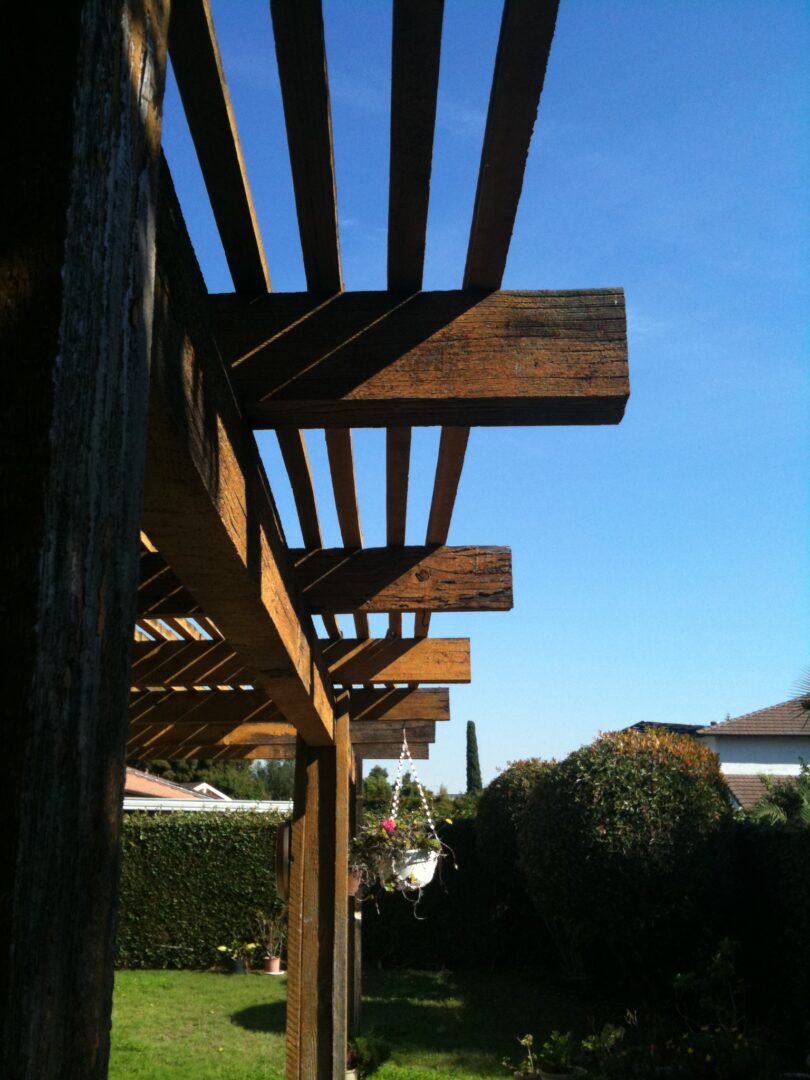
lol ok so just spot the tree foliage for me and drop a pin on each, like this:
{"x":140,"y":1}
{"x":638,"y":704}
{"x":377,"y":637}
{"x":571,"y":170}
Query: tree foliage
{"x":500,"y":810}
{"x":473,"y":764}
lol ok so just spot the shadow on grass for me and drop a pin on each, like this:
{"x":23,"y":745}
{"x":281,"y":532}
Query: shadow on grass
{"x":270,"y":1017}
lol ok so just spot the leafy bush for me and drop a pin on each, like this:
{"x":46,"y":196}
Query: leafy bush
{"x":622,"y":847}
{"x":190,"y":881}
{"x":500,"y":810}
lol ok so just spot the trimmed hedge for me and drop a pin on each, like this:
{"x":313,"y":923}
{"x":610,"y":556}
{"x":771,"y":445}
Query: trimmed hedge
{"x":625,"y":849}
{"x":191,"y":882}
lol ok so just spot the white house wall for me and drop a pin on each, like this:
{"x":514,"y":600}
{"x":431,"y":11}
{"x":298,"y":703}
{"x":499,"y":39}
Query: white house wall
{"x":742,"y":755}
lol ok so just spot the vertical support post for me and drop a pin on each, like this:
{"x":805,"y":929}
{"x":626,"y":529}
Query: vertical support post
{"x":318,"y":931}
{"x":355,"y":908}
{"x":76,"y":288}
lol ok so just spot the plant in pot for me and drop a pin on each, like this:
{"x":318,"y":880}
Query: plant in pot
{"x":555,"y":1058}
{"x":239,"y":954}
{"x":270,"y":929}
{"x":395,"y":853}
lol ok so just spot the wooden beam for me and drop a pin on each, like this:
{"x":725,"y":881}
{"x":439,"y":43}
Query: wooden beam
{"x":197,"y":66}
{"x":398,"y":705}
{"x":208,"y":507}
{"x":416,"y":45}
{"x":371,"y":359}
{"x":397,"y":467}
{"x":350,"y":661}
{"x":452,"y":448}
{"x":230,"y":707}
{"x":160,"y":591}
{"x":419,"y":752}
{"x":84,"y":88}
{"x":301,"y":56}
{"x":317,"y":931}
{"x":398,"y":660}
{"x":527,"y":28}
{"x":404,"y":579}
{"x":341,"y":466}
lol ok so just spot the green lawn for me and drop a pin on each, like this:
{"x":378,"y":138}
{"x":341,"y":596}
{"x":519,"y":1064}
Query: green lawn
{"x":183,"y":1024}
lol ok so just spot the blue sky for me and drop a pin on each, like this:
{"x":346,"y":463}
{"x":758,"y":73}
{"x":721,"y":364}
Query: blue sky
{"x":660,"y":567}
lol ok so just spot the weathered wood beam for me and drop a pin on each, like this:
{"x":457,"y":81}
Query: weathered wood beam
{"x":197,"y":66}
{"x":350,"y":661}
{"x":317,"y":911}
{"x":400,"y":704}
{"x":449,"y":463}
{"x":81,"y":137}
{"x":416,"y":46}
{"x":398,"y":660}
{"x":169,"y":741}
{"x":388,"y":751}
{"x":230,"y":707}
{"x":341,"y":466}
{"x":469,"y":357}
{"x":406,"y":578}
{"x":208,"y":507}
{"x":527,"y":28}
{"x":301,"y":57}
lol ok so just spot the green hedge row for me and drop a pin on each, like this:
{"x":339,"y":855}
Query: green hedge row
{"x":191,"y":882}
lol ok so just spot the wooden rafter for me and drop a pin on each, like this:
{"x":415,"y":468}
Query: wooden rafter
{"x":341,"y":465}
{"x":198,"y":707}
{"x":405,"y":579}
{"x":350,"y":661}
{"x":201,"y":81}
{"x":369,"y":359}
{"x":207,"y":504}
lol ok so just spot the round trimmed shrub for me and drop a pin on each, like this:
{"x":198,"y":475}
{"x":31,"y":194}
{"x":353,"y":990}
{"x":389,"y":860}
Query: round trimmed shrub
{"x":500,"y":809}
{"x":622,"y":847}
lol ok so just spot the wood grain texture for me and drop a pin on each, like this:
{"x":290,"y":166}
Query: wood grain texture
{"x":84,"y":85}
{"x":198,"y":69}
{"x":397,"y":660}
{"x":301,"y":56}
{"x":350,"y":661}
{"x":527,"y":28}
{"x":465,"y":357}
{"x":208,"y":507}
{"x":405,"y":579}
{"x":398,"y":705}
{"x":166,"y":739}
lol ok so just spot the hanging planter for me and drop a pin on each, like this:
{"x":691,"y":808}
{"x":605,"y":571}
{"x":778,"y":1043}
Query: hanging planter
{"x":403,"y":850}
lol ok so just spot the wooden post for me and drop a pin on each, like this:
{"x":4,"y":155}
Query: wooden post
{"x":76,"y":291}
{"x":356,"y":909}
{"x":318,"y":931}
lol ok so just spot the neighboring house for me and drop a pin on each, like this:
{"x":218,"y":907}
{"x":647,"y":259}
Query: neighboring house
{"x":143,"y":791}
{"x":768,"y":742}
{"x":144,"y":785}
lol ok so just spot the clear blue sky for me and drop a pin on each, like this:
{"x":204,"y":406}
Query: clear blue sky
{"x":660,"y":567}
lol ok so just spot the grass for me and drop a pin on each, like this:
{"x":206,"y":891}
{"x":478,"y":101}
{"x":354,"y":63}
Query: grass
{"x":180,"y":1025}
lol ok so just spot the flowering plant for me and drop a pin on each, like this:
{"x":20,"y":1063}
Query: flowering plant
{"x":378,"y":851}
{"x":238,"y":950}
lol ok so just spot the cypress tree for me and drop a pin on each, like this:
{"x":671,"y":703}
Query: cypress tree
{"x":473,"y":765}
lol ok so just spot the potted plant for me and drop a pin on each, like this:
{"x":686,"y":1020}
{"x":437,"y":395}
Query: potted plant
{"x":400,"y":853}
{"x":271,"y":933}
{"x":239,"y":953}
{"x":555,"y":1058}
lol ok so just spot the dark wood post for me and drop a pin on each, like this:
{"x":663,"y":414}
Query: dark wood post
{"x":76,"y":287}
{"x":318,"y":931}
{"x":355,"y":908}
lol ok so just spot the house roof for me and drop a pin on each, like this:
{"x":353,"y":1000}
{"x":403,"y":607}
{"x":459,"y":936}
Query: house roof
{"x":144,"y":783}
{"x":662,"y":725}
{"x":748,"y":790}
{"x":788,"y":718}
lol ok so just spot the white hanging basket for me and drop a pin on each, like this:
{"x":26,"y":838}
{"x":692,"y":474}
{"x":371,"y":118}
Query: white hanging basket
{"x":415,"y":868}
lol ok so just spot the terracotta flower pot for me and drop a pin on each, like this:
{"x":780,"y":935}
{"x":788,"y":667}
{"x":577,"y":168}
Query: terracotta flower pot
{"x":353,"y":882}
{"x":272,"y":965}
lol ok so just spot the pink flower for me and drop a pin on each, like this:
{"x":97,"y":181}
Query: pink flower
{"x":389,"y":825}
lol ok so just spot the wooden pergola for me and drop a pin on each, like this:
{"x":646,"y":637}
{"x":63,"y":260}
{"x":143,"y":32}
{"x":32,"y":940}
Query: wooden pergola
{"x":139,"y":498}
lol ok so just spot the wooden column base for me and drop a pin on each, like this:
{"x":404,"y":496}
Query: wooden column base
{"x":318,"y":910}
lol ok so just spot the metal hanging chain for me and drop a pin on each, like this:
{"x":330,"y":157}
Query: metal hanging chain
{"x":406,"y":753}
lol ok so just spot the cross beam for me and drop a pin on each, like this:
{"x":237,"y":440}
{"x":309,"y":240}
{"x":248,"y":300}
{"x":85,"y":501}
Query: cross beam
{"x":470,"y":356}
